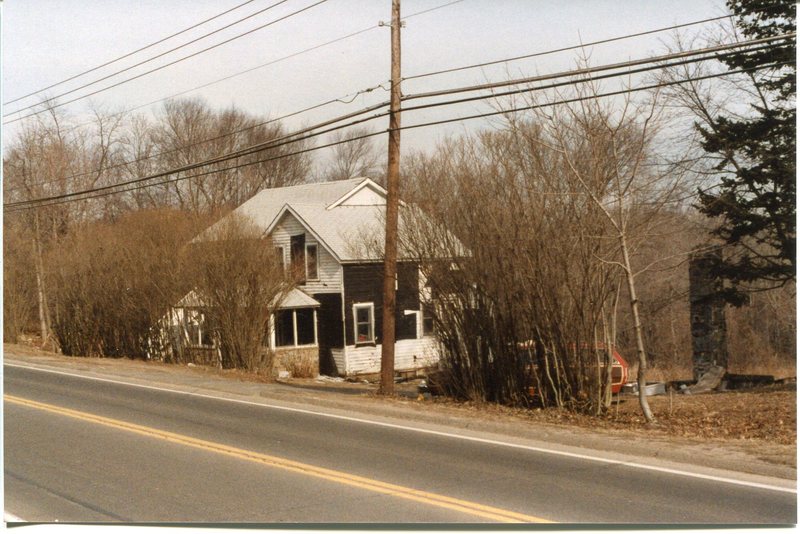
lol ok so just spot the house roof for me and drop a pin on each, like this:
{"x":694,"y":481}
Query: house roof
{"x":296,"y":298}
{"x":346,"y":217}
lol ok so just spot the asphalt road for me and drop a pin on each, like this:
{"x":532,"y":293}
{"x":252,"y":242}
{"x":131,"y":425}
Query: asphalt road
{"x":82,"y":450}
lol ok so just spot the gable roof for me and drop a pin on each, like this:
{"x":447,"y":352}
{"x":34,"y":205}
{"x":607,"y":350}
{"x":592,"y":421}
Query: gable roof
{"x":295,"y":298}
{"x":346,"y":217}
{"x":348,"y":232}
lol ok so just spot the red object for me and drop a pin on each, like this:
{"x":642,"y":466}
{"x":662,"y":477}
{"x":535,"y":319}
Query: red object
{"x":619,"y":372}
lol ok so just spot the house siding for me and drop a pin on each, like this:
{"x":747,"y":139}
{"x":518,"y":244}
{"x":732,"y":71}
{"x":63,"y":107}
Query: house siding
{"x":329,"y":270}
{"x":329,"y":332}
{"x":408,"y":354}
{"x":339,"y":359}
{"x":364,"y":283}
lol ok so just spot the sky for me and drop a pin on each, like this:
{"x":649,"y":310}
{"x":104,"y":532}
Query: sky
{"x":47,"y":41}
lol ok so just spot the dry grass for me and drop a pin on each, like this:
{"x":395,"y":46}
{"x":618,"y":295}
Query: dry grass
{"x":766,"y":414}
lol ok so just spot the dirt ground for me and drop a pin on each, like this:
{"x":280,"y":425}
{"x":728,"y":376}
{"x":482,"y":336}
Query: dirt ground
{"x":762,"y":421}
{"x":767,"y":413}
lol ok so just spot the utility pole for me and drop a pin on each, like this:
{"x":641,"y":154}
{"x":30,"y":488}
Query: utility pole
{"x":392,"y":203}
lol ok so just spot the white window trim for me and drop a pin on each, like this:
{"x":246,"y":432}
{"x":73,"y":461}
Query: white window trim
{"x":316,"y":259}
{"x":198,"y":318}
{"x":273,"y":337}
{"x":371,"y":307}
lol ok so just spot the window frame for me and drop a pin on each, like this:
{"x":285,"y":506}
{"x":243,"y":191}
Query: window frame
{"x":428,"y":314}
{"x":315,"y":246}
{"x":371,"y":323}
{"x":196,"y":319}
{"x":295,"y":334}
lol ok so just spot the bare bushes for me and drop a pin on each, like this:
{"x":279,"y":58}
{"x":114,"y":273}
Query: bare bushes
{"x":240,"y":282}
{"x":112,"y":282}
{"x":522,"y":304}
{"x":19,"y":281}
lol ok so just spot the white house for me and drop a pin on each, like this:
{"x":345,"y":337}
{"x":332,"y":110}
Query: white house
{"x":331,"y":235}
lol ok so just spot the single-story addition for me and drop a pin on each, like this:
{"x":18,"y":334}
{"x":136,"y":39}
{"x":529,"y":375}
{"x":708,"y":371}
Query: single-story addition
{"x":331,"y":236}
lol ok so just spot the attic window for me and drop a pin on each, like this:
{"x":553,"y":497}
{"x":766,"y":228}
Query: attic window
{"x":312,"y":263}
{"x":298,"y":253}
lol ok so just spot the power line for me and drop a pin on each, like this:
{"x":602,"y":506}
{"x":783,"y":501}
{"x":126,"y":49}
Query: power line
{"x":53,"y":106}
{"x":162,"y":54}
{"x":198,"y":175}
{"x":565,"y":49}
{"x":131,"y":53}
{"x":267,"y":145}
{"x":278,"y":60}
{"x":333,"y":41}
{"x":589,"y":70}
{"x":293,"y":137}
{"x":111,"y":189}
{"x":148,"y":60}
{"x":589,"y":97}
{"x":341,"y":99}
{"x":629,"y":72}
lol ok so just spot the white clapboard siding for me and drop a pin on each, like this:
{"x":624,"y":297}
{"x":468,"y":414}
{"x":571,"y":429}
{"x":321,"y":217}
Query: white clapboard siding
{"x":330,"y":270}
{"x":408,"y":354}
{"x":339,"y":359}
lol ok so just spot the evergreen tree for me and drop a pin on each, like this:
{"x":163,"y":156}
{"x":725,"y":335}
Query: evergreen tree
{"x":755,"y":200}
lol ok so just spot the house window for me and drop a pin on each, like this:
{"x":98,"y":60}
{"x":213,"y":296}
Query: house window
{"x":295,"y":327}
{"x":427,"y":319}
{"x":198,"y":329}
{"x":298,"y":253}
{"x":284,"y":328}
{"x":279,"y":256}
{"x":312,"y":265}
{"x":364,"y":315}
{"x":304,"y":321}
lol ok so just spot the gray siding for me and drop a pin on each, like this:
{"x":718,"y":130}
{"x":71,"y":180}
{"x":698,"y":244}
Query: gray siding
{"x":329,"y":269}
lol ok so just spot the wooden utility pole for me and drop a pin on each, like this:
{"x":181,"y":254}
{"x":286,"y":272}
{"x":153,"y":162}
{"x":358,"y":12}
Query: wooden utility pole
{"x":392,"y":203}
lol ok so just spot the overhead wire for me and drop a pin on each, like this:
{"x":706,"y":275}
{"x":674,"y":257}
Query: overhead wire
{"x":272,"y":62}
{"x":278,"y":60}
{"x":126,"y":80}
{"x":126,"y":163}
{"x":153,"y":58}
{"x":129,"y":54}
{"x":589,"y":70}
{"x":565,"y":49}
{"x":628,"y":72}
{"x":115,"y":187}
{"x":15,"y":207}
{"x":293,"y":137}
{"x":288,"y":115}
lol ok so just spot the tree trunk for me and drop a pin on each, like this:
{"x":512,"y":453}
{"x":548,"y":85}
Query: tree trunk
{"x":41,"y":291}
{"x":637,"y":327}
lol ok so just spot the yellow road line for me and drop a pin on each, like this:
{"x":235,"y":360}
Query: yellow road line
{"x":442,"y":501}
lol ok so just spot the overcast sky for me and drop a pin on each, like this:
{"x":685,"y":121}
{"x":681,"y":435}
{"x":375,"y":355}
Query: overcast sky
{"x":46,"y":41}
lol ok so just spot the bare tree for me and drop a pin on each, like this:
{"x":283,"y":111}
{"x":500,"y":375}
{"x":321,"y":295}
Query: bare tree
{"x":354,"y":158}
{"x":240,"y":281}
{"x":189,"y":131}
{"x":511,"y":260}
